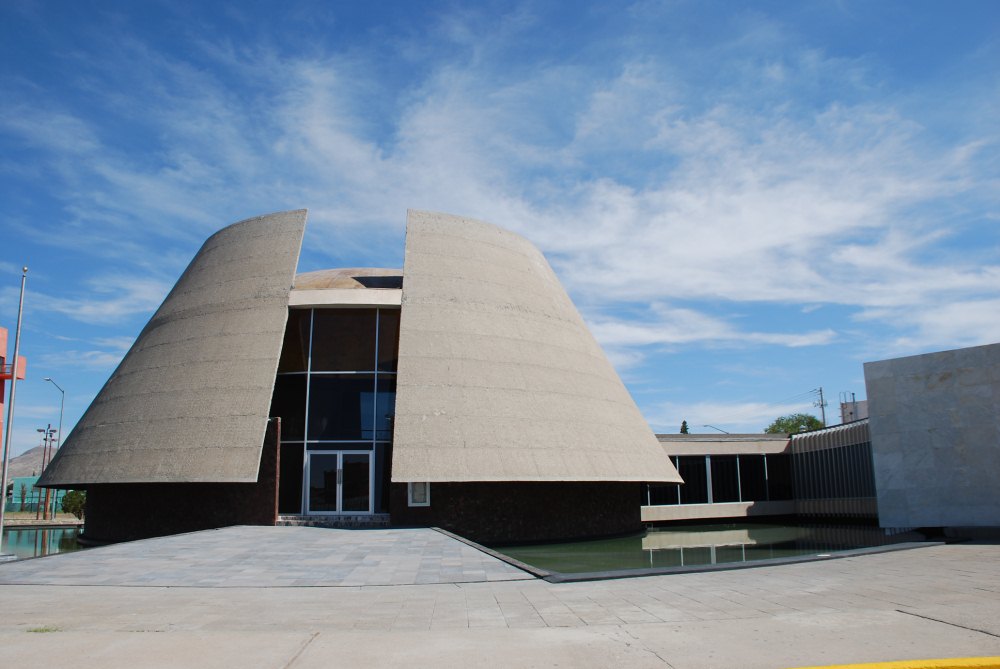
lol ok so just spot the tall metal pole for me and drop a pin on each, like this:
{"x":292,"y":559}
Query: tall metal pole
{"x":10,"y":407}
{"x":62,"y":405}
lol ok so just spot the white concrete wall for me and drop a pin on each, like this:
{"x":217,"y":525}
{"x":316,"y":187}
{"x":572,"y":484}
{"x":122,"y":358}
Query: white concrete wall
{"x":935,"y":429}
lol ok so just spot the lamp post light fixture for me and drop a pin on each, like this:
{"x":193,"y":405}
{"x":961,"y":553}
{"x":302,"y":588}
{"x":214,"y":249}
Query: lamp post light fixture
{"x":62,"y":405}
{"x":47,"y":440}
{"x":717,"y":428}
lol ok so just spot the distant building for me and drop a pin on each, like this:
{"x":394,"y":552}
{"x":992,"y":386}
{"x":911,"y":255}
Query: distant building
{"x":7,"y":373}
{"x":26,"y":496}
{"x":824,"y":473}
{"x":853,"y":410}
{"x":462,"y":391}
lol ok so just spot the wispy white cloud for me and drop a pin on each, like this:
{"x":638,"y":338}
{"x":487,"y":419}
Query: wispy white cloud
{"x":787,"y":177}
{"x":966,"y":322}
{"x":77,"y":359}
{"x":105,"y":355}
{"x":36,"y":411}
{"x":684,"y":326}
{"x":108,"y":299}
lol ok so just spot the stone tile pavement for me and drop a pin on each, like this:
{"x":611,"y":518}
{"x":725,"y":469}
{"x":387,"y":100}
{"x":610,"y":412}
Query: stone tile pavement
{"x":938,"y":601}
{"x":270,"y":557}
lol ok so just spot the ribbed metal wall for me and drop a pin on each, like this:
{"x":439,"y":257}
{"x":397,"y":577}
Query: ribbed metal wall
{"x":832,"y":472}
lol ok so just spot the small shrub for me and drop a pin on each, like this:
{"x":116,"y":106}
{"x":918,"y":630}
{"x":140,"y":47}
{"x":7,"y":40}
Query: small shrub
{"x":74,"y":502}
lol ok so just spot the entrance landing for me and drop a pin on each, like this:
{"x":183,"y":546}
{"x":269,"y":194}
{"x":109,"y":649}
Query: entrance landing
{"x":345,"y":522}
{"x":267,"y":557}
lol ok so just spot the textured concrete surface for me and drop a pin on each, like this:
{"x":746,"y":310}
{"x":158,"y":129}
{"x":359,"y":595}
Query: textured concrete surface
{"x":935,"y":428}
{"x":941,"y":601}
{"x":499,"y":378}
{"x":190,"y":400}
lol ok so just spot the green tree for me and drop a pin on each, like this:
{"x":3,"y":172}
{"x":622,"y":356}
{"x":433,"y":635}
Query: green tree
{"x":793,"y":423}
{"x":75,"y":502}
{"x":684,"y":427}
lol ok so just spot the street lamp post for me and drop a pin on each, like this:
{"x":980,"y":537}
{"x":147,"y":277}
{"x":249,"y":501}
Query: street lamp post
{"x":716,"y":428}
{"x":62,"y":405}
{"x":47,"y":438}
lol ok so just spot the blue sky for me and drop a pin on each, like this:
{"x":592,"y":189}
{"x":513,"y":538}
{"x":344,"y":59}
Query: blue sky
{"x":747,"y":200}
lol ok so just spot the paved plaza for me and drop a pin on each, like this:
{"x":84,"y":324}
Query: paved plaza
{"x":264,"y":557}
{"x":308,"y":597}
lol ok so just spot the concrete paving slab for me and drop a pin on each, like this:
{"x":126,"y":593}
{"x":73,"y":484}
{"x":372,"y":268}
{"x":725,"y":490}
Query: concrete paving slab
{"x":940,"y":601}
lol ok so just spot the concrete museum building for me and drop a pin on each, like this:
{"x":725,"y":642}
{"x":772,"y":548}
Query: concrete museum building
{"x":464,"y":391}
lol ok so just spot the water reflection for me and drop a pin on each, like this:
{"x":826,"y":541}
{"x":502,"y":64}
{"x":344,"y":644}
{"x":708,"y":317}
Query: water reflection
{"x":36,"y":542}
{"x":695,"y":545}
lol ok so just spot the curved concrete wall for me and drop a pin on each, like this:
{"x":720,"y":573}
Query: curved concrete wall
{"x":499,"y":378}
{"x":190,"y":400}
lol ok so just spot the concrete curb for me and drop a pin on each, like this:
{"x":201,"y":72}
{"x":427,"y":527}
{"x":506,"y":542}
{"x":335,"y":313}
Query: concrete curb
{"x":945,"y":663}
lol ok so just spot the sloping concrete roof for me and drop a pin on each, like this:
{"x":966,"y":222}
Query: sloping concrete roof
{"x":499,"y":378}
{"x":190,"y":400}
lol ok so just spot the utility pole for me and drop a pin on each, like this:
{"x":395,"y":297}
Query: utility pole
{"x":821,"y":404}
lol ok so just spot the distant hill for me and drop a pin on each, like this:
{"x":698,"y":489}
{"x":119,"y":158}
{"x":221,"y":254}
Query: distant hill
{"x":28,"y":463}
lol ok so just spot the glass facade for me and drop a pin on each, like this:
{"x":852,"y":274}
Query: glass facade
{"x":336,"y":396}
{"x":715,"y":479}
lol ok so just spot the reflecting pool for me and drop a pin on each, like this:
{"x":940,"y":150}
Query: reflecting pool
{"x":36,"y":542}
{"x":698,"y":545}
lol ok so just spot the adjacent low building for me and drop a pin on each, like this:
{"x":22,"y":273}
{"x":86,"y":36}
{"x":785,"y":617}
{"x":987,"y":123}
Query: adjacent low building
{"x":820,"y":474}
{"x":462,"y":391}
{"x":25,"y":495}
{"x":725,"y":476}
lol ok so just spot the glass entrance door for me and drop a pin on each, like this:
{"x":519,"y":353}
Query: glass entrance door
{"x":339,"y":482}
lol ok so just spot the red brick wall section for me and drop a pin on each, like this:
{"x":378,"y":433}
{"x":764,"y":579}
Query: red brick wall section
{"x":496,"y":513}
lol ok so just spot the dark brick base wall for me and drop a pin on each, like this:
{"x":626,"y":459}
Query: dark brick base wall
{"x":123,"y":512}
{"x":494,"y":513}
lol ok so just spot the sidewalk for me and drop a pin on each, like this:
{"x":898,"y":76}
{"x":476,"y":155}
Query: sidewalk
{"x":91,"y":609}
{"x":23,"y":519}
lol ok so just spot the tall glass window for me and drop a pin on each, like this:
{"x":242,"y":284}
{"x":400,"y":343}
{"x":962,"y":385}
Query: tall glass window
{"x":336,"y":391}
{"x":753,"y":478}
{"x":725,"y":479}
{"x":692,"y":469}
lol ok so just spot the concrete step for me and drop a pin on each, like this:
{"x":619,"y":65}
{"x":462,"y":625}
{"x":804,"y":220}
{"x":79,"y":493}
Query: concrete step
{"x":336,"y":521}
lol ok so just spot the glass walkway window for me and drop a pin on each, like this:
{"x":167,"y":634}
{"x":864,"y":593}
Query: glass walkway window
{"x":715,"y":479}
